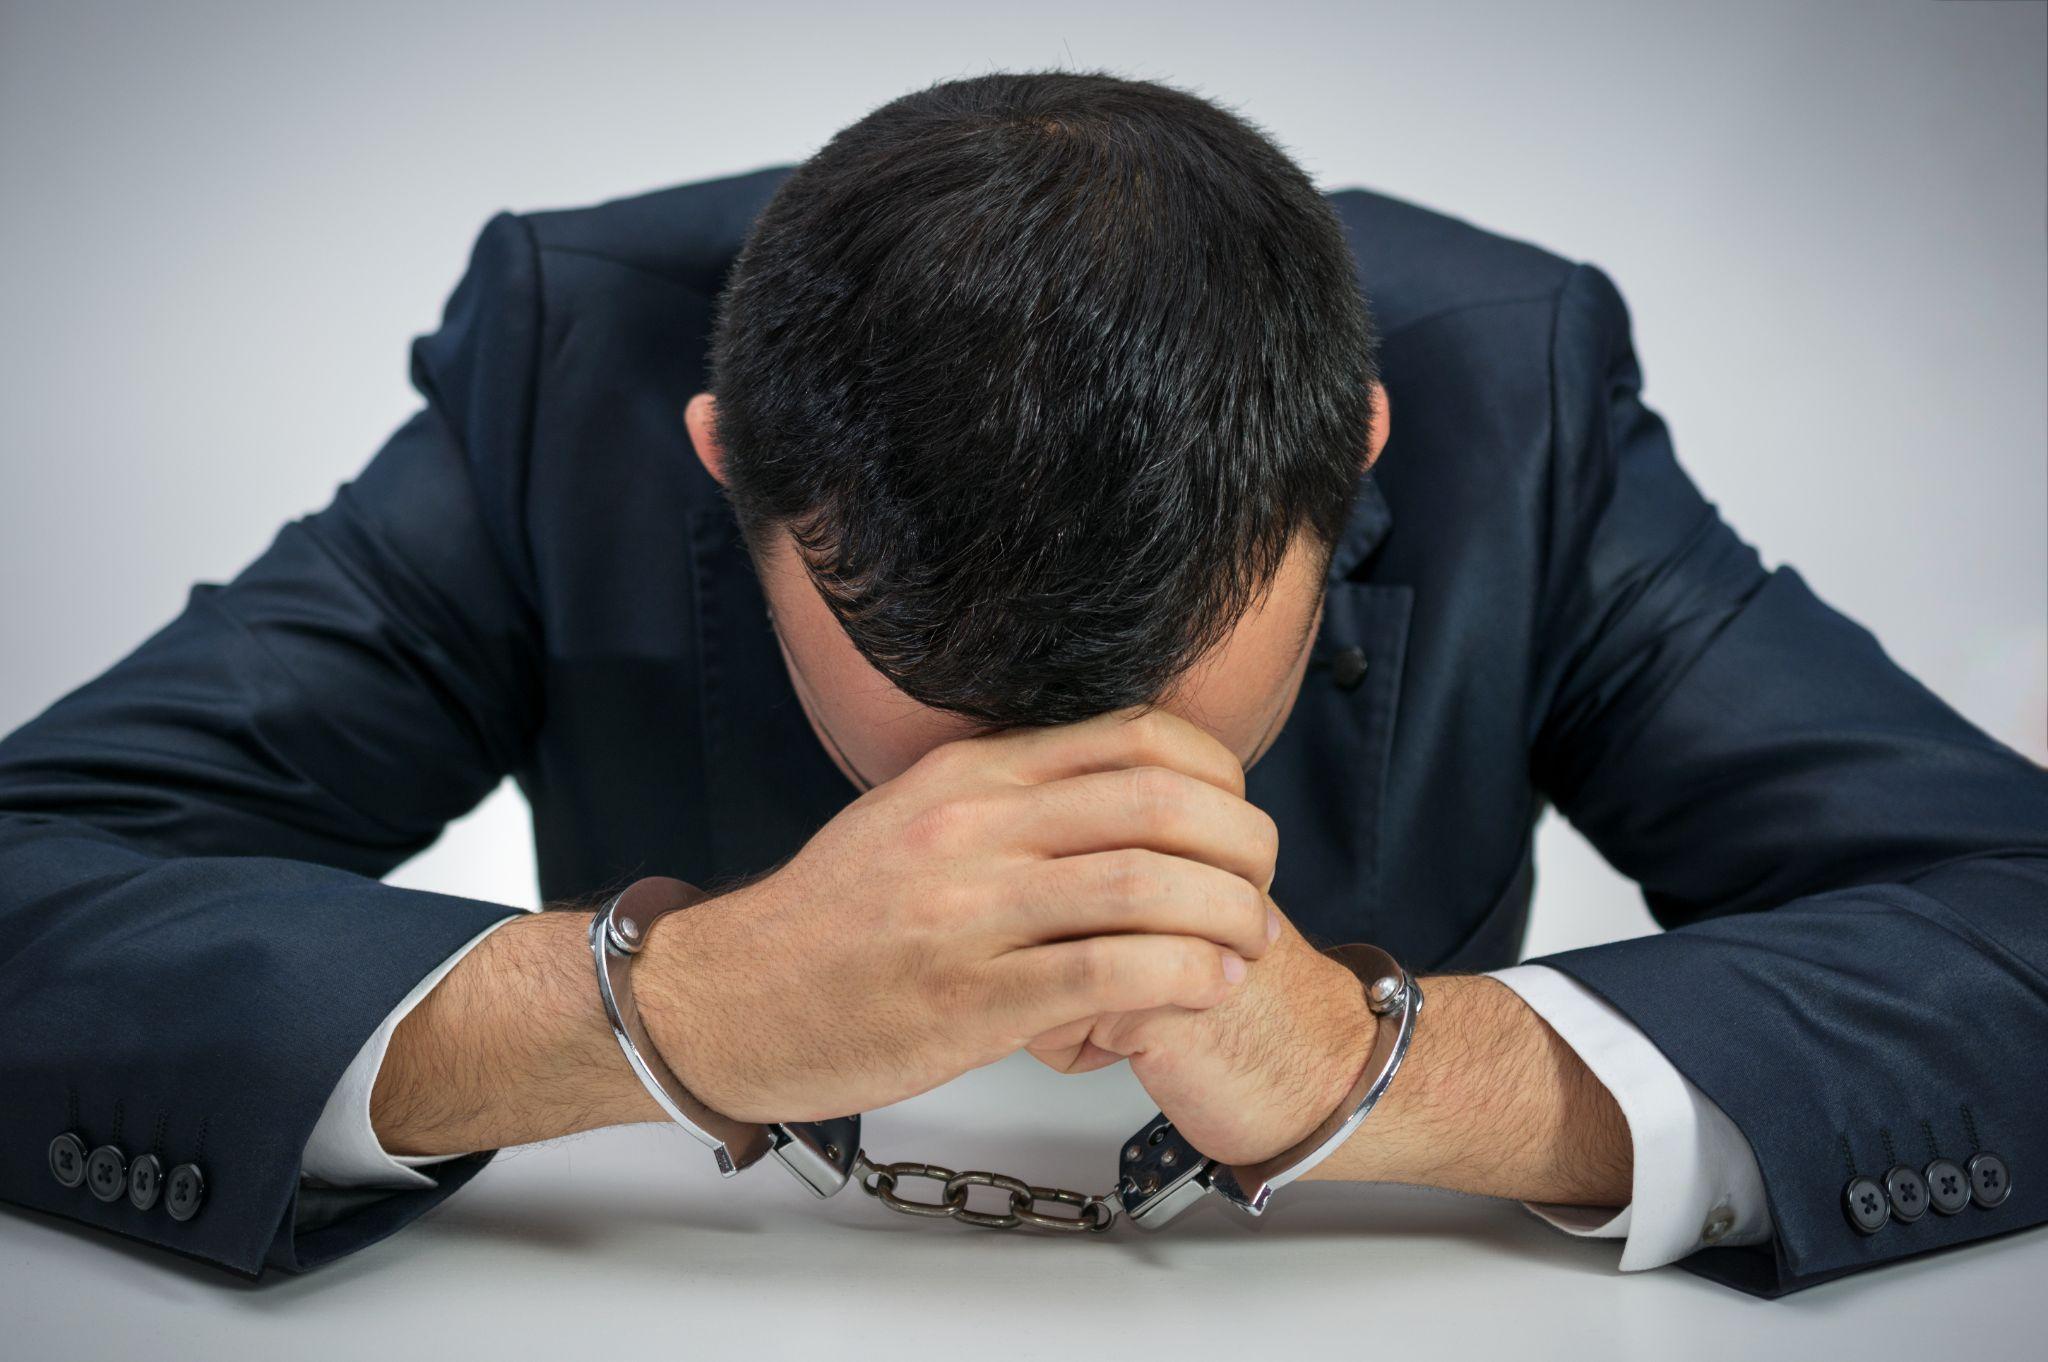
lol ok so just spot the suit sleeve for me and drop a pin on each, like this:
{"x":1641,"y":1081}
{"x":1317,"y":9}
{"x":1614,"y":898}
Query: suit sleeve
{"x":343,"y":1150}
{"x":194,"y":942}
{"x":1854,"y":878}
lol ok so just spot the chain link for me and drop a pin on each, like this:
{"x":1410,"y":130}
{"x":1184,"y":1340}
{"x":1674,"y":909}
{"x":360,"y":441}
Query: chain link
{"x":1092,"y":1214}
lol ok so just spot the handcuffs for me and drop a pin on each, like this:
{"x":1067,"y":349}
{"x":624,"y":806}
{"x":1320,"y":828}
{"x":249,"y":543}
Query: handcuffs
{"x":1159,"y":1174}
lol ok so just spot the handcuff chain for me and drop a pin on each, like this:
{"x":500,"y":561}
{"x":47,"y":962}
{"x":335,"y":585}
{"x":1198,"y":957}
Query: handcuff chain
{"x":1093,"y":1214}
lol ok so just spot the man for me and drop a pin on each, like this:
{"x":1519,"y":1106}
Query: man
{"x":982,"y":552}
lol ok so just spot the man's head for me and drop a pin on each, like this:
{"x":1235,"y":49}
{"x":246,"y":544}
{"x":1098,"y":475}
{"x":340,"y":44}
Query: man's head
{"x":1040,"y":396}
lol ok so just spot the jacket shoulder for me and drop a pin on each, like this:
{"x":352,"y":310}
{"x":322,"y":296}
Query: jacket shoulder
{"x":687,"y":233}
{"x":1417,"y":263}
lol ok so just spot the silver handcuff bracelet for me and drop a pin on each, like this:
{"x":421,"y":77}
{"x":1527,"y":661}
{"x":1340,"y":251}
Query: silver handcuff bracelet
{"x":1160,"y":1175}
{"x":820,"y":1153}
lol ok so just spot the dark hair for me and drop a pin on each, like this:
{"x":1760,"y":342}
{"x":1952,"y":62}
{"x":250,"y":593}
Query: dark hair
{"x":1042,"y":372}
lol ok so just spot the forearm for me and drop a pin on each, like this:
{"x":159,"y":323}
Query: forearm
{"x":510,"y":1048}
{"x":1491,"y":1101}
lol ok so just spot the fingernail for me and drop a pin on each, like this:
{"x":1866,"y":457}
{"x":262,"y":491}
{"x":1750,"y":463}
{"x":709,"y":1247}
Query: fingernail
{"x":1272,"y":925}
{"x":1233,"y":967}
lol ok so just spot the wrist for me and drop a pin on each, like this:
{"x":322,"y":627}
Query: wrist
{"x":1348,"y":1035}
{"x":1491,"y":1101}
{"x":510,"y":1047}
{"x":1407,"y":1138}
{"x":686,"y":1002}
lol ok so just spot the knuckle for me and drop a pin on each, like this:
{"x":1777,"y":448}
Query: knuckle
{"x":1157,"y":795}
{"x":1268,"y":835}
{"x":1166,"y":739}
{"x":1170,"y":727}
{"x":1150,"y":722}
{"x":1165,"y":967}
{"x":1199,"y":971}
{"x":941,"y":826}
{"x":1232,"y":769}
{"x":1131,"y":876}
{"x":1091,"y":970}
{"x":1252,"y":906}
{"x":954,"y":993}
{"x":946,"y":761}
{"x":1154,"y":734}
{"x":1139,"y":736}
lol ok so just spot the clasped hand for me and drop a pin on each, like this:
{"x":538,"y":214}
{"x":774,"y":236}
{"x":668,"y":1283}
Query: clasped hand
{"x":1092,"y":892}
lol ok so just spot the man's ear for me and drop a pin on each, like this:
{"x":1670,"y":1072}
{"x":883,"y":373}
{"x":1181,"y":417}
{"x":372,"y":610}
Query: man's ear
{"x":1381,"y":424}
{"x":697,"y":419}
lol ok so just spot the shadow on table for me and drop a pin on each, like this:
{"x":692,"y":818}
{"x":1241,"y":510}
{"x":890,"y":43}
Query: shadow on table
{"x":748,"y":1215}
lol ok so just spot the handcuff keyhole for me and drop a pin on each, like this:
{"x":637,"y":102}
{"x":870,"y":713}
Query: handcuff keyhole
{"x":1158,"y":1135}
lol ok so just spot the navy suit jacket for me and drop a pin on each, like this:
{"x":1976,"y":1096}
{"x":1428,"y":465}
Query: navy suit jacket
{"x":534,"y":575}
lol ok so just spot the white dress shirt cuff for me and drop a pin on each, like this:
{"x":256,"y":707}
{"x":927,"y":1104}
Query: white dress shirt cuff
{"x":1696,"y":1184}
{"x":344,"y":1150}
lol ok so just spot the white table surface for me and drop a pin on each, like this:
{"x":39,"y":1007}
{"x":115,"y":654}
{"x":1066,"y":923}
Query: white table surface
{"x":624,"y":1244}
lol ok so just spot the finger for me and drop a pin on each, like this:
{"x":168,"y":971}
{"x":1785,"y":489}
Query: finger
{"x":1042,"y":987}
{"x":1132,"y":889}
{"x":1061,"y":1040}
{"x":1125,"y":737}
{"x":1084,"y":1058}
{"x":1143,"y":806}
{"x":1093,"y":1057}
{"x":1069,"y":1049}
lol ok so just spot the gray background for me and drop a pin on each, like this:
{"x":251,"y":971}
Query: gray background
{"x":223,"y":224}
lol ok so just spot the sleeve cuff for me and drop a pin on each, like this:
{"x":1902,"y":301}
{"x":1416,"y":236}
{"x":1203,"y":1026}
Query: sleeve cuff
{"x":1697,"y":1184}
{"x":343,"y":1150}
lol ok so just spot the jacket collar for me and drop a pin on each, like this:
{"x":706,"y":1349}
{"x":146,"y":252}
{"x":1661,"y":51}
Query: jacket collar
{"x":1363,"y":532}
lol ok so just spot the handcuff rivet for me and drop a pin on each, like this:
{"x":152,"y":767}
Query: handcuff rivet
{"x":1385,"y":994}
{"x":1149,"y":1184}
{"x":1167,"y":1158}
{"x":1133,"y":1154}
{"x":629,"y":929}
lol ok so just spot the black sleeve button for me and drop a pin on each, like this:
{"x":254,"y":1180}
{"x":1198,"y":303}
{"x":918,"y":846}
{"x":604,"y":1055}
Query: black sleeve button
{"x":145,"y":1181}
{"x":1867,"y":1206}
{"x":1948,"y":1187}
{"x":106,"y":1173}
{"x":183,"y":1191}
{"x":67,"y":1159}
{"x":1990,"y":1183}
{"x":1348,"y":668}
{"x":1908,"y":1193}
